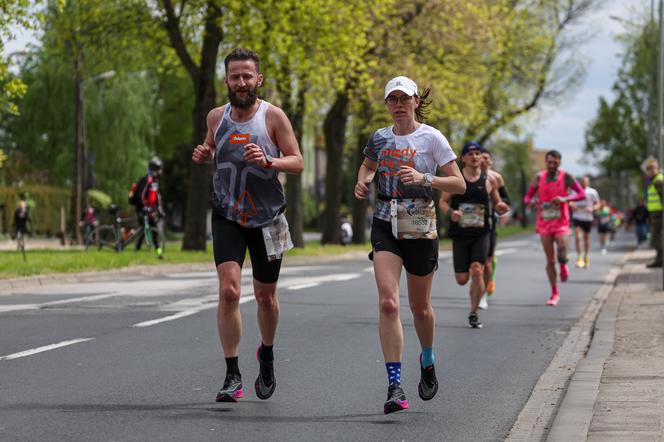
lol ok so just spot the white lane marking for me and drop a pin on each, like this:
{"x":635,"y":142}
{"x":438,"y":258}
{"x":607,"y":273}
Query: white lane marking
{"x":313,"y":281}
{"x":33,"y":351}
{"x":501,"y":252}
{"x":186,"y":313}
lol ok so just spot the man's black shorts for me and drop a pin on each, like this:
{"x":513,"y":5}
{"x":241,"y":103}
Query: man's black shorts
{"x":467,"y":250}
{"x":583,"y":225}
{"x":419,"y":256}
{"x":230,"y":242}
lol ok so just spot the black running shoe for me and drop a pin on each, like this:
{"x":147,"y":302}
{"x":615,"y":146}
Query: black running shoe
{"x":232,"y":389}
{"x":265,"y":383}
{"x":428,"y":386}
{"x":396,"y":399}
{"x":474,"y":320}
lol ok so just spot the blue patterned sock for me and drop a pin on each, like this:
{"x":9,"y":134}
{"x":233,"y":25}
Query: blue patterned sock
{"x":427,"y":357}
{"x":393,"y":372}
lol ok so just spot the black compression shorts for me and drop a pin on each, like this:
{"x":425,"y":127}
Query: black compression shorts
{"x":230,"y":242}
{"x":419,"y":256}
{"x":467,"y":250}
{"x":493,"y":239}
{"x":583,"y":225}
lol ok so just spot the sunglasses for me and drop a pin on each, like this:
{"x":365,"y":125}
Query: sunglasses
{"x":393,"y":99}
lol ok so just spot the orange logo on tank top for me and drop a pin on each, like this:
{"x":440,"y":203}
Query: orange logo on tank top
{"x":240,"y":138}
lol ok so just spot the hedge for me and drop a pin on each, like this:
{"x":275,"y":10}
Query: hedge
{"x":45,"y":203}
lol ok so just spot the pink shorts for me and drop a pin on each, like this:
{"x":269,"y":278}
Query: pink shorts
{"x":553,"y":231}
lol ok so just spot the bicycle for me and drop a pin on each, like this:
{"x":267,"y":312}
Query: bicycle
{"x":116,"y":237}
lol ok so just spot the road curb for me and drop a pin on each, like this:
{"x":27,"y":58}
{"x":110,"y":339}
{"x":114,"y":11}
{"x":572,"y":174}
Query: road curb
{"x":8,"y":285}
{"x":539,"y":413}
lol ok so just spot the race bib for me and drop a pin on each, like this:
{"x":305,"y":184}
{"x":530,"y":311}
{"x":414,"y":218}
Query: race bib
{"x":472,"y":215}
{"x":549,"y":211}
{"x":277,"y":239}
{"x":413,"y":219}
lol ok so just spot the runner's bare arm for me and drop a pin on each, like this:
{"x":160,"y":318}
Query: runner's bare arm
{"x":500,"y":205}
{"x":452,"y":182}
{"x":572,"y":184}
{"x":364,"y":178}
{"x":444,"y":205}
{"x":204,"y":153}
{"x":528,"y":198}
{"x":283,"y":136}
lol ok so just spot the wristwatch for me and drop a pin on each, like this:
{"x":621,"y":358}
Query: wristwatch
{"x":269,"y":160}
{"x":428,"y":180}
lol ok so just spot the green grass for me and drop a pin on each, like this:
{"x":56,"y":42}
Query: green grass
{"x":42,"y":262}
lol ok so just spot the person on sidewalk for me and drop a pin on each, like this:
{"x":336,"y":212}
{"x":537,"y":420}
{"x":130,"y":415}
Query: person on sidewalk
{"x":21,"y":218}
{"x":492,"y":260}
{"x":654,"y":204}
{"x":470,"y":225}
{"x":582,"y":217}
{"x":552,"y":186}
{"x":250,"y":142}
{"x":405,"y":157}
{"x":640,"y":218}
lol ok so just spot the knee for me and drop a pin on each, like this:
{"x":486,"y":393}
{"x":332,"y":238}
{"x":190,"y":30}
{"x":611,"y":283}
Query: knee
{"x":229,"y":294}
{"x":421,"y":311}
{"x":389,"y":307}
{"x":265,"y":298}
{"x":461,"y":278}
{"x":476,"y":271}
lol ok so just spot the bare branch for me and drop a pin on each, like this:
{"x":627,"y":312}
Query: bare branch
{"x":172,"y":26}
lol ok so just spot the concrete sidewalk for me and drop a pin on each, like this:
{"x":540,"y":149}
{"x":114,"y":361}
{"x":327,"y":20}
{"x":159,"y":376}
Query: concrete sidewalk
{"x":617,"y":390}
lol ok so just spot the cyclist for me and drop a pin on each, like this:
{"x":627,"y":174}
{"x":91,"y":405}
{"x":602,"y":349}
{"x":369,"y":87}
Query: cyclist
{"x":251,"y":142}
{"x":405,"y":157}
{"x":88,"y":223}
{"x":146,"y":198}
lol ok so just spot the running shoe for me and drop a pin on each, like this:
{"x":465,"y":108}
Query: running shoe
{"x":483,"y":303}
{"x":428,"y":386}
{"x":232,"y":389}
{"x":265,"y":382}
{"x":396,"y":399}
{"x":564,"y":272}
{"x":474,"y":320}
{"x":579,"y":263}
{"x":490,"y":288}
{"x":553,"y":300}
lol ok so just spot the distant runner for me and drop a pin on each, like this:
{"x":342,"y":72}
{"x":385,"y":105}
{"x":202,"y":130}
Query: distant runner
{"x":552,"y":187}
{"x":583,"y":215}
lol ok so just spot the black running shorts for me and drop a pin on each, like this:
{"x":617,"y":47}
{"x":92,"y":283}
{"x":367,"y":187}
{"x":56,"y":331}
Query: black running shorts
{"x":419,"y":256}
{"x":583,"y":225}
{"x":467,"y":250}
{"x":230,"y":242}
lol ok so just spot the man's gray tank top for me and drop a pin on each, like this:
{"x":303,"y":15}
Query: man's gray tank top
{"x":248,"y":194}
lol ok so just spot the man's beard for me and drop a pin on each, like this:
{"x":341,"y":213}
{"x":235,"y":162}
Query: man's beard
{"x":243,"y":103}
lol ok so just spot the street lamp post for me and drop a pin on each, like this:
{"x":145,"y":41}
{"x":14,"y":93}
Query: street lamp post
{"x":80,"y":146}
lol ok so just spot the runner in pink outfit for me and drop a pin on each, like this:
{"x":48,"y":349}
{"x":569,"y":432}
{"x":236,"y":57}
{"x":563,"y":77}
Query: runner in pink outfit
{"x":552,"y":187}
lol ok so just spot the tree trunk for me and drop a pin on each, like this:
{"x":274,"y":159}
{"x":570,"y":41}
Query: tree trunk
{"x":203,"y":78}
{"x":79,"y":149}
{"x":360,"y":206}
{"x":335,"y":136}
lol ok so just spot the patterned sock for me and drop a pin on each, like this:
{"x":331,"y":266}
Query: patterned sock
{"x":393,"y":372}
{"x":427,"y":357}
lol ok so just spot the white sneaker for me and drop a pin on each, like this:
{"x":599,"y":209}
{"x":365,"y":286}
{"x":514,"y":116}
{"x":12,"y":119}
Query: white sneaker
{"x":483,"y":303}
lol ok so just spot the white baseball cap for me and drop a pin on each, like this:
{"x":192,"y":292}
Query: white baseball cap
{"x":403,"y":84}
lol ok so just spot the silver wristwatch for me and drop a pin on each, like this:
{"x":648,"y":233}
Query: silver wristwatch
{"x":428,"y":180}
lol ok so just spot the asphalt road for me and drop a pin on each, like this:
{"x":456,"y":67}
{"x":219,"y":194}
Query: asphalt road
{"x":148,"y":363}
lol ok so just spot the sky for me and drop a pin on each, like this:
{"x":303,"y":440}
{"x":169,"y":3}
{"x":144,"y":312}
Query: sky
{"x":560,"y":126}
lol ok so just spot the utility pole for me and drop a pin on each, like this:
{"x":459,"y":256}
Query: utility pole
{"x":79,"y":147}
{"x":660,"y":104}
